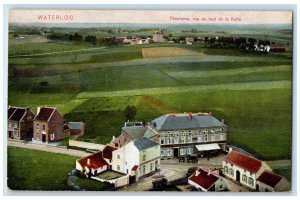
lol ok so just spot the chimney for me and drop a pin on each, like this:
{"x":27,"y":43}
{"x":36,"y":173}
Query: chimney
{"x":154,"y":124}
{"x":222,"y":120}
{"x":209,"y":171}
{"x":190,"y":116}
{"x":197,"y":173}
{"x":230,"y":149}
{"x":114,"y":137}
{"x":210,"y":113}
{"x":88,"y":161}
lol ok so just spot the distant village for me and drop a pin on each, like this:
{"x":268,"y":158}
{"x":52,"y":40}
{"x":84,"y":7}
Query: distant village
{"x":222,"y":41}
{"x":141,"y":148}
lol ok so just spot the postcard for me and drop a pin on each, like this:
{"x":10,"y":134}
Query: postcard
{"x":150,"y":100}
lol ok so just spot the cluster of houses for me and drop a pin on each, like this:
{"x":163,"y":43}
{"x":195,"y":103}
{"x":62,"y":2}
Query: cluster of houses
{"x":241,"y":43}
{"x":157,"y":36}
{"x":47,"y":126}
{"x":137,"y":152}
{"x":244,"y":170}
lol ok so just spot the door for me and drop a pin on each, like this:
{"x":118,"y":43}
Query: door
{"x":44,"y":138}
{"x":238,"y":175}
{"x":10,"y":134}
{"x":176,"y":152}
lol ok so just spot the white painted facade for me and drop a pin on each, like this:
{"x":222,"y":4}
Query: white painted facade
{"x":128,"y":156}
{"x":247,"y":178}
{"x":219,"y":185}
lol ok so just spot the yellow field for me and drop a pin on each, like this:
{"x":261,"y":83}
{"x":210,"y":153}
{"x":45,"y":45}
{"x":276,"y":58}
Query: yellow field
{"x":167,"y":52}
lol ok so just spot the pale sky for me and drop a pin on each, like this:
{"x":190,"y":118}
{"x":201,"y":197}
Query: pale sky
{"x":150,"y":16}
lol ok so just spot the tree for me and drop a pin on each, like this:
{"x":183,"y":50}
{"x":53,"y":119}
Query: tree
{"x":130,"y":112}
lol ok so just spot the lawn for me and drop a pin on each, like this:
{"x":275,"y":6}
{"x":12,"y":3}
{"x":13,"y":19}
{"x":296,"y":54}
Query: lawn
{"x":38,"y":170}
{"x":92,"y":185}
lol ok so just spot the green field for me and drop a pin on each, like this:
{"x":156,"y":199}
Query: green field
{"x":38,"y":170}
{"x":94,"y":84}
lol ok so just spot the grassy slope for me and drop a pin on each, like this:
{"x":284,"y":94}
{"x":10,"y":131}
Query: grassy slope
{"x":38,"y":170}
{"x":80,"y":94}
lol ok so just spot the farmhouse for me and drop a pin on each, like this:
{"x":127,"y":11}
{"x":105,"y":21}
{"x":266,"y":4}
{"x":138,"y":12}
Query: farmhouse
{"x":271,"y":182}
{"x":158,"y":36}
{"x":189,"y":40}
{"x":49,"y":126}
{"x":138,"y":158}
{"x":207,"y":180}
{"x":243,"y":169}
{"x":20,"y":123}
{"x":128,"y":134}
{"x":183,"y":134}
{"x":92,"y":165}
{"x":76,"y":128}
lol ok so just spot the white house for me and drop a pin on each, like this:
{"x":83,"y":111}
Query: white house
{"x":243,"y":168}
{"x":138,"y":158}
{"x":207,"y":180}
{"x":92,"y":165}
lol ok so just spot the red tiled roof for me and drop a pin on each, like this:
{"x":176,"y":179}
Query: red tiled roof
{"x":44,"y":114}
{"x":96,"y":161}
{"x":269,"y":178}
{"x":204,"y":179}
{"x":243,"y":161}
{"x":107,"y":152}
{"x":134,"y":168}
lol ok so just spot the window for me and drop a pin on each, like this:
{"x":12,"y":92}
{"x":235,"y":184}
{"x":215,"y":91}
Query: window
{"x":151,"y":166}
{"x":169,"y":140}
{"x":162,"y":153}
{"x":250,"y":181}
{"x":118,"y":167}
{"x":52,"y":136}
{"x":231,"y":172}
{"x":222,"y":136}
{"x":182,"y":151}
{"x":226,"y":170}
{"x":118,"y":156}
{"x":169,"y":152}
{"x":176,"y":139}
{"x":190,"y":139}
{"x":37,"y":127}
{"x":213,"y":137}
{"x":244,"y":178}
{"x":189,"y":150}
{"x":199,"y":138}
{"x":44,"y":127}
{"x":182,"y":139}
{"x":162,"y":140}
{"x":144,"y":157}
{"x":205,"y":137}
{"x":144,"y":169}
{"x":15,"y":125}
{"x":37,"y":136}
{"x":9,"y":124}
